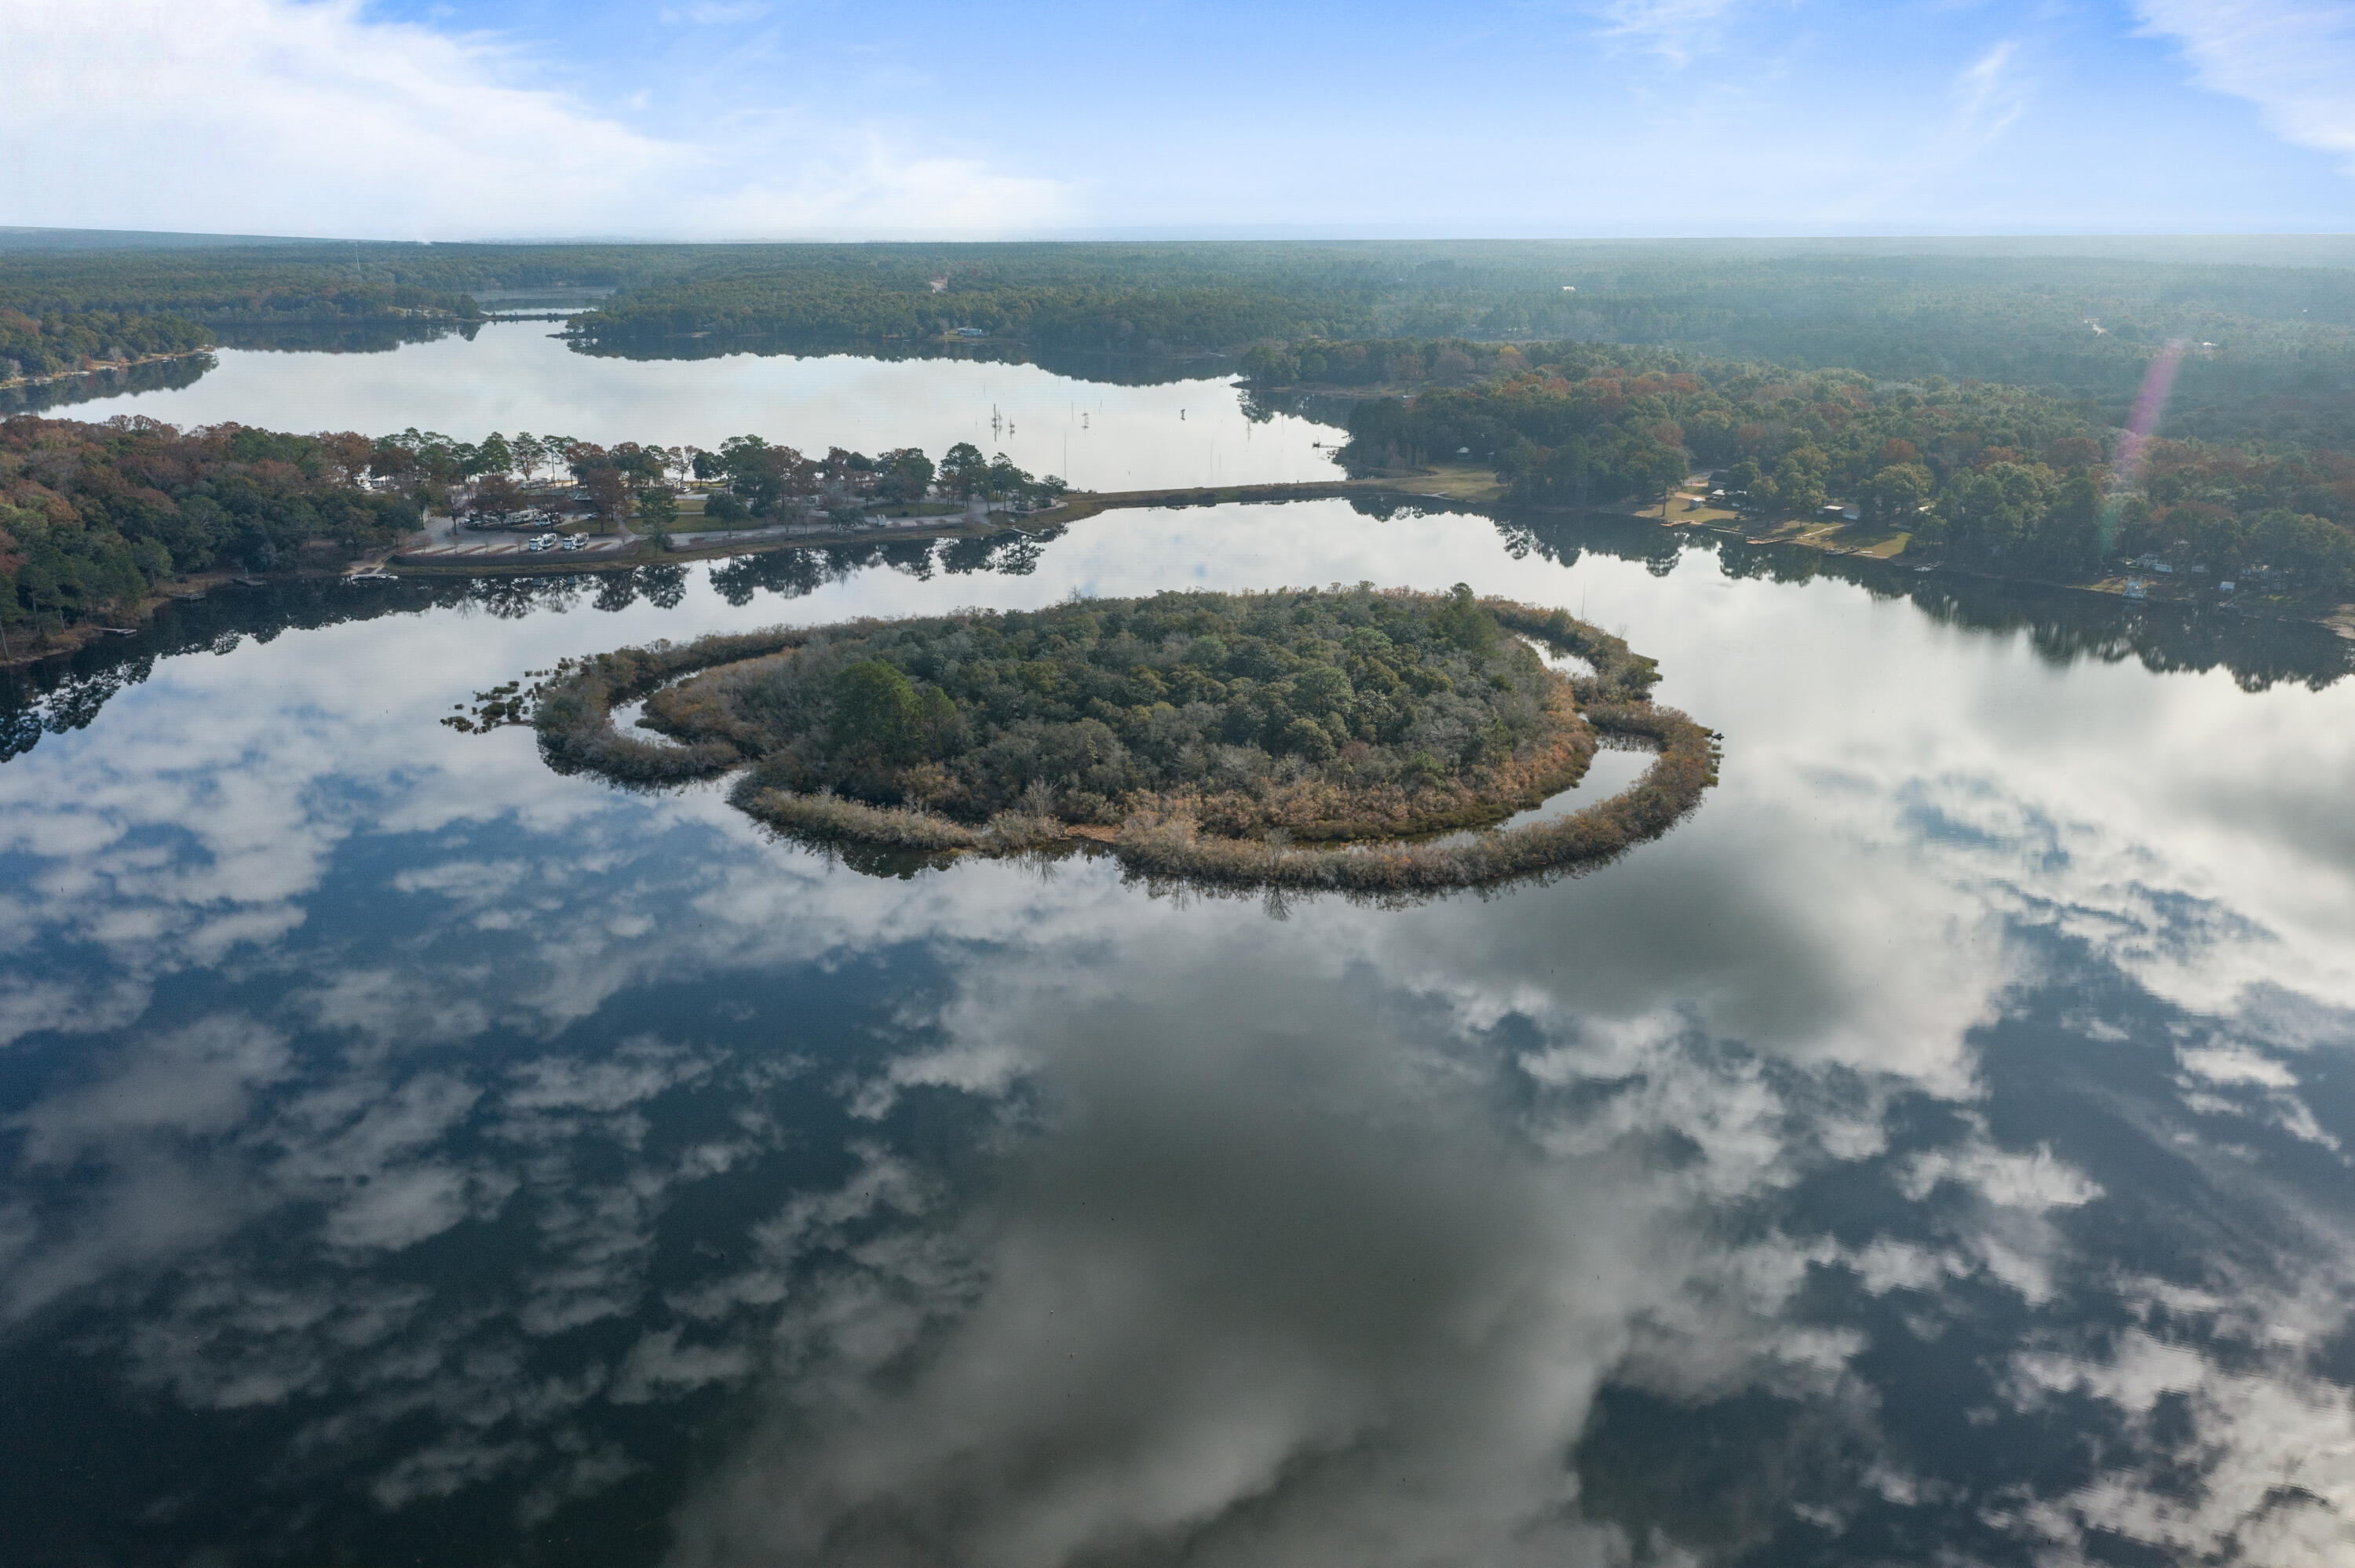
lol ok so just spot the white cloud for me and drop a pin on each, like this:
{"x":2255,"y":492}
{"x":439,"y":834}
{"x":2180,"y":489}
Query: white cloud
{"x":1676,"y":30}
{"x":271,"y":116}
{"x":2294,"y":61}
{"x":2276,"y":1459}
{"x":1989,"y":95}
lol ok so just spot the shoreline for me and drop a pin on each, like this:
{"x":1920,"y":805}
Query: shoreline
{"x":102,"y":366}
{"x":1471,"y":489}
{"x":1162,"y":835}
{"x":73,"y":638}
{"x":2340,"y":619}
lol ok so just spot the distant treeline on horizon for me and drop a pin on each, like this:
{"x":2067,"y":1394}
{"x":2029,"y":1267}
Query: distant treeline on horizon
{"x":1995,"y":362}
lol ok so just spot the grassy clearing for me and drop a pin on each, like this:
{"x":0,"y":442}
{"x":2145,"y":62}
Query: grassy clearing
{"x":1457,"y":482}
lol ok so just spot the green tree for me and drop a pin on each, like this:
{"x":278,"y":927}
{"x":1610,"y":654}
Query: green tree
{"x":876,"y":705}
{"x":1799,"y":481}
{"x":1271,"y":365}
{"x":1004,"y":479}
{"x":640,"y":465}
{"x":904,"y":474}
{"x":1652,"y":471}
{"x":2316,"y":555}
{"x":658,"y":512}
{"x":1381,"y":428}
{"x":765,"y":477}
{"x":2069,"y":536}
{"x":963,"y":470}
{"x":1897,"y":492}
{"x":1464,"y":621}
{"x":1990,"y":513}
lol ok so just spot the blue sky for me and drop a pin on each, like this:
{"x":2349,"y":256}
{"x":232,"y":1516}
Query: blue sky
{"x":776,"y":118}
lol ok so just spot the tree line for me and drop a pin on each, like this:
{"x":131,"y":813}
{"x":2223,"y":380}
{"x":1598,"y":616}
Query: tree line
{"x":63,"y":341}
{"x":92,"y":516}
{"x":750,"y":478}
{"x":2272,"y":348}
{"x":2003,"y":476}
{"x":1069,"y":316}
{"x":224,"y":287}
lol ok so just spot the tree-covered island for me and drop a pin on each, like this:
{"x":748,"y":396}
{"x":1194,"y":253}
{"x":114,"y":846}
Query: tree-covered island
{"x":1297,"y":738}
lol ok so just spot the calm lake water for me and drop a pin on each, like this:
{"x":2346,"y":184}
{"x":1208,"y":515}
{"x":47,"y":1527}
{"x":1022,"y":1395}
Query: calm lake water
{"x":1936,"y":1150}
{"x":516,"y":376}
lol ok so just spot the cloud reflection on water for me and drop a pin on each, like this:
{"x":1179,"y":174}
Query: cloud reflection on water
{"x":1940,"y":1130}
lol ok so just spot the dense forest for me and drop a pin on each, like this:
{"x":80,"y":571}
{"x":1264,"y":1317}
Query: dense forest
{"x":33,"y":346}
{"x":228,"y":286}
{"x":2007,"y":477}
{"x":1196,"y":736}
{"x":1388,"y":704}
{"x":1974,"y":389}
{"x":92,"y":516}
{"x":2274,"y":344}
{"x":2077,"y":325}
{"x":2274,"y":347}
{"x":818,"y":309}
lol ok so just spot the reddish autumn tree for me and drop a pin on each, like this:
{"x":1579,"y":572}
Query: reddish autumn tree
{"x":499,"y":497}
{"x":349,"y":453}
{"x":609,"y":493}
{"x":2072,"y":452}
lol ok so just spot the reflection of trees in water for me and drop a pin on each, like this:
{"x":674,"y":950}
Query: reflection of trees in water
{"x":340,"y":337}
{"x":512,"y":599}
{"x":910,"y":558}
{"x":616,"y":590}
{"x":1114,"y":369}
{"x":793,"y":574}
{"x":1260,"y":404}
{"x":66,"y":694}
{"x":2063,"y":626}
{"x":665,"y":585}
{"x":171,"y":374}
{"x":1015,"y":557}
{"x":70,"y":704}
{"x":789,"y":574}
{"x":162,"y":376}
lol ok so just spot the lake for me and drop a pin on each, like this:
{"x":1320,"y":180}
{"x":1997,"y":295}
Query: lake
{"x":514,"y":376}
{"x":1936,"y":1149}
